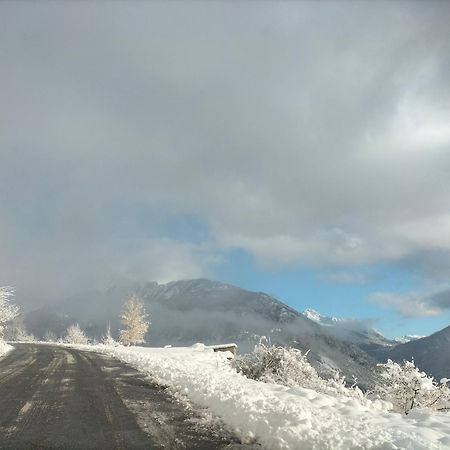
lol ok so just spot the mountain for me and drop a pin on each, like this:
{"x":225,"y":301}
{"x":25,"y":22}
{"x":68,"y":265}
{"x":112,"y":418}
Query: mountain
{"x":407,"y":338}
{"x":359,"y":332}
{"x":201,"y":310}
{"x":315,"y":316}
{"x":431,"y":354}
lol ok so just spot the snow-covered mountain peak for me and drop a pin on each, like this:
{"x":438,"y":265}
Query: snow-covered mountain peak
{"x":361,"y":332}
{"x":407,"y":338}
{"x":315,"y":316}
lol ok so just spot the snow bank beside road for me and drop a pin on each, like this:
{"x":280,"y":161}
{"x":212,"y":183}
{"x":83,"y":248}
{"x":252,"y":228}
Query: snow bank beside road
{"x":280,"y":417}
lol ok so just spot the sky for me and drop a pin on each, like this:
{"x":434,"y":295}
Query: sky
{"x":296,"y":148}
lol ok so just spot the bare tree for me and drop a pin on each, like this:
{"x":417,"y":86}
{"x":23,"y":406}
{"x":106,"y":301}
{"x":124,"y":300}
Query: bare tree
{"x":75,"y":335}
{"x":133,"y":318}
{"x":8,"y":310}
{"x":50,"y":336}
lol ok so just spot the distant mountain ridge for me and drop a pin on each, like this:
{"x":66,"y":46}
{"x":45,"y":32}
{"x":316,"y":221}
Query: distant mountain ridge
{"x":407,"y":338}
{"x":359,"y":332}
{"x":315,"y":316}
{"x":201,"y":310}
{"x":359,"y":329}
{"x":96,"y":308}
{"x":431,"y":354}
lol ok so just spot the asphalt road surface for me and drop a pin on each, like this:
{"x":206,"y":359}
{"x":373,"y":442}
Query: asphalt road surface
{"x":57,"y":398}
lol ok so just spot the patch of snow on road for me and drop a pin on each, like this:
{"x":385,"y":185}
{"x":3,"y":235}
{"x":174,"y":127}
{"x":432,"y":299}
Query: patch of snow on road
{"x":280,"y":417}
{"x":4,"y":348}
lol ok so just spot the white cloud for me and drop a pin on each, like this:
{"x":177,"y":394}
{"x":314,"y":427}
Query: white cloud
{"x":426,"y":232}
{"x":331,"y":247}
{"x":161,"y":260}
{"x":415,"y":304}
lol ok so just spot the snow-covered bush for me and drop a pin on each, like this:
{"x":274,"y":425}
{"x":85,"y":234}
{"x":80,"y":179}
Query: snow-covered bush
{"x":406,"y":387}
{"x":75,"y":335}
{"x":24,"y":336}
{"x":269,"y":363}
{"x":8,"y":310}
{"x":290,"y":367}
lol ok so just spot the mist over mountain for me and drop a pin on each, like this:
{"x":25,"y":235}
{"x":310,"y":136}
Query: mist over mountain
{"x":430,"y":353}
{"x":201,"y":310}
{"x":360,"y":332}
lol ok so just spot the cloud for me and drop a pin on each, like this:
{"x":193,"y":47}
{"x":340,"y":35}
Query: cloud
{"x":296,"y":132}
{"x":415,"y":304}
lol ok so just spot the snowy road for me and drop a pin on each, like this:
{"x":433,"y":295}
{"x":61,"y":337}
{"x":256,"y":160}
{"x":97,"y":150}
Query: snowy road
{"x":56,"y":397}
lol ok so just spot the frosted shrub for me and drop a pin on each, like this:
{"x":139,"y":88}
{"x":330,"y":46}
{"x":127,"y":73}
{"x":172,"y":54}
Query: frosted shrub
{"x":406,"y":387}
{"x":107,"y":338}
{"x":50,"y":336}
{"x":26,"y":337}
{"x":75,"y":335}
{"x":269,"y":363}
{"x":289,"y":367}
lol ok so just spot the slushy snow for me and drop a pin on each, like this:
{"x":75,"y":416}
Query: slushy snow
{"x":280,"y":417}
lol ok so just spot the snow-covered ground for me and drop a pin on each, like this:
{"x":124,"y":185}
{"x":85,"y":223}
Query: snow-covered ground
{"x":280,"y":417}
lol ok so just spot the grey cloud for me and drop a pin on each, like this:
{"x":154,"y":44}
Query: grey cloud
{"x":304,"y":133}
{"x":415,"y":304}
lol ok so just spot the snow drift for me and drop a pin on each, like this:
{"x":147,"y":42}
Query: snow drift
{"x":282,"y":417}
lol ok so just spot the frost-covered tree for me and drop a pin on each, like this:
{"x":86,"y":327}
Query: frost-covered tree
{"x":75,"y":335}
{"x":289,"y":366}
{"x":133,"y":318}
{"x":107,"y":338}
{"x":406,"y":387}
{"x":16,"y":330}
{"x":8,"y":310}
{"x":50,"y":336}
